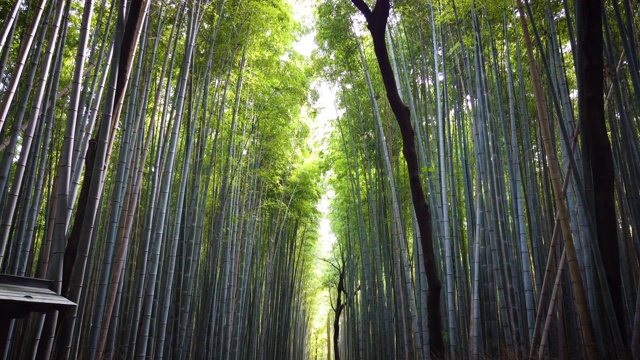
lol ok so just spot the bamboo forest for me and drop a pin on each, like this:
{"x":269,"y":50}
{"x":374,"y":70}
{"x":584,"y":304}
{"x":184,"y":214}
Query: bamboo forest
{"x":319,"y":179}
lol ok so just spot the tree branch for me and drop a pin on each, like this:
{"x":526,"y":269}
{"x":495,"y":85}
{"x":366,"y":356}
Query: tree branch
{"x":332,"y":264}
{"x":363,"y":7}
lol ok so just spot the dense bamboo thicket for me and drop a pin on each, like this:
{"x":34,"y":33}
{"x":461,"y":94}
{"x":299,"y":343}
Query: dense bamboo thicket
{"x":526,"y":125}
{"x":156,"y":167}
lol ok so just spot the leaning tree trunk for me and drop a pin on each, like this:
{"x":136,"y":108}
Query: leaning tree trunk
{"x":377,"y":23}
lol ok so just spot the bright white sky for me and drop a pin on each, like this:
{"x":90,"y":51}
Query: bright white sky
{"x":320,"y":126}
{"x":303,"y":12}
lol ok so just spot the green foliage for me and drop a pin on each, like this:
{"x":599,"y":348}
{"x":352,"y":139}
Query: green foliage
{"x":237,"y":239}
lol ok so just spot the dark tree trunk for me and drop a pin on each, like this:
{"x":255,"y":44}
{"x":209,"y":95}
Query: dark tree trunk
{"x":73,"y":241}
{"x":377,"y":23}
{"x":597,"y":168}
{"x":336,"y":319}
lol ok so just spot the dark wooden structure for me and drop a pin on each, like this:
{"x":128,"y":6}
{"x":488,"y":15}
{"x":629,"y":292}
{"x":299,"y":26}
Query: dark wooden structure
{"x":20,"y":296}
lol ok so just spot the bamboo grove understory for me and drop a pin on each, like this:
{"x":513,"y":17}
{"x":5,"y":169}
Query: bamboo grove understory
{"x":158,"y":164}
